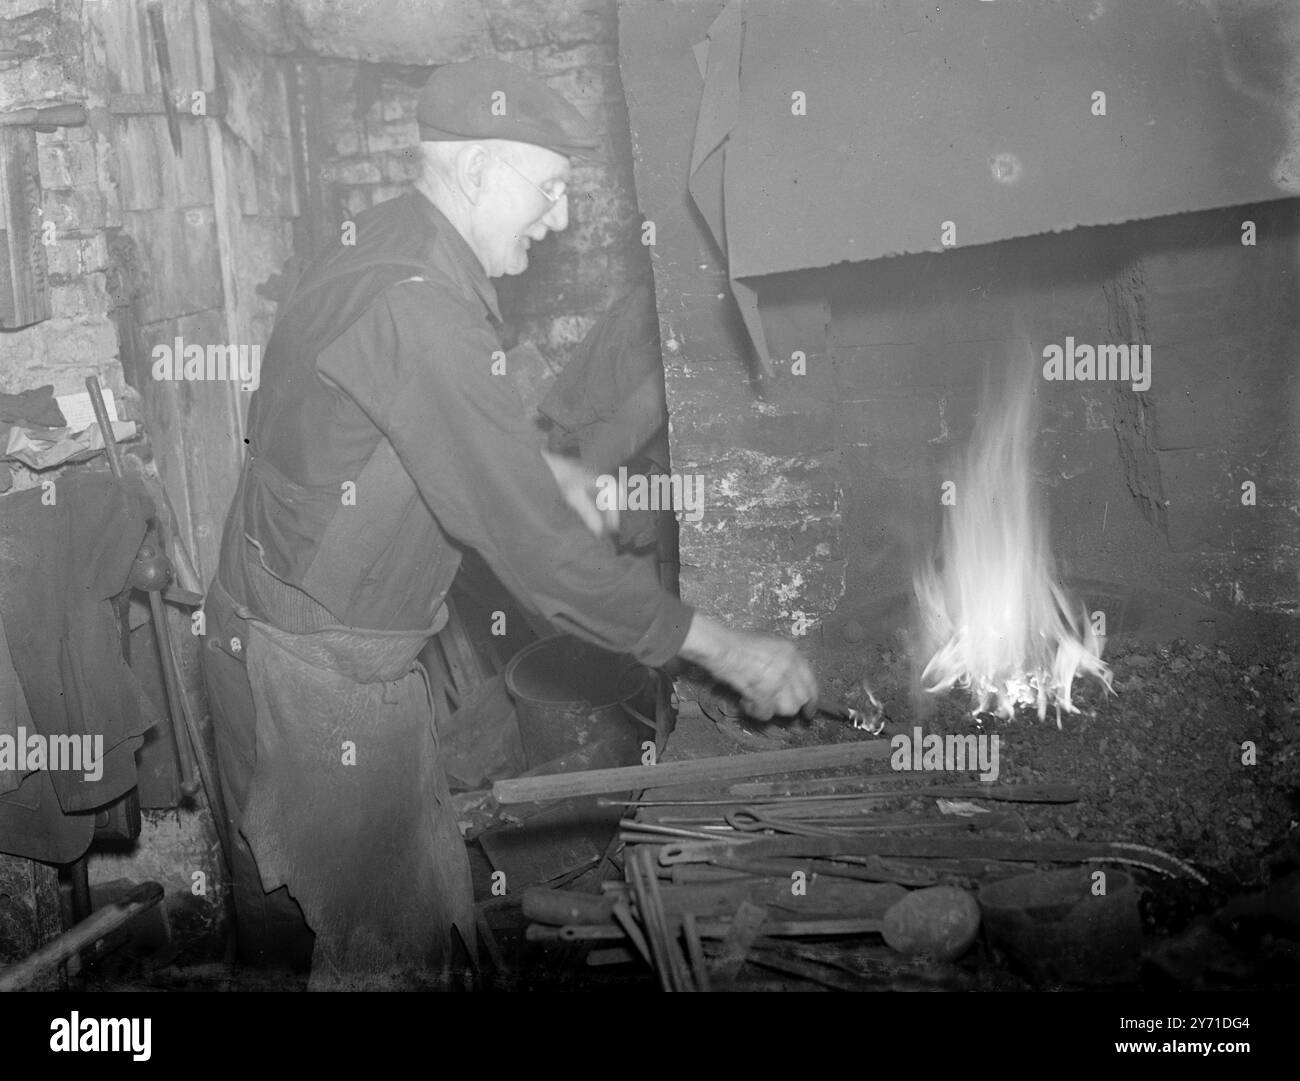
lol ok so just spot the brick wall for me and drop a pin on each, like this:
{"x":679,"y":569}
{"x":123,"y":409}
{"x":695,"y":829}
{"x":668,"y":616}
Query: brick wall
{"x":372,"y":146}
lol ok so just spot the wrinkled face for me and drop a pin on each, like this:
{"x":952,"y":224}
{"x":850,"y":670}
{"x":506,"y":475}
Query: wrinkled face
{"x":523,"y":198}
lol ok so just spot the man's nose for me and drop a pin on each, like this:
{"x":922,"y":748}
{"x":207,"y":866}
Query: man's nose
{"x":557,"y":218}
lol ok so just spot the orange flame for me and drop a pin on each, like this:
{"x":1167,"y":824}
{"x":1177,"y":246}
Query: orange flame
{"x":994,"y":616}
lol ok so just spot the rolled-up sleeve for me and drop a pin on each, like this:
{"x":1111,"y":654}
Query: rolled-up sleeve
{"x":419,"y":363}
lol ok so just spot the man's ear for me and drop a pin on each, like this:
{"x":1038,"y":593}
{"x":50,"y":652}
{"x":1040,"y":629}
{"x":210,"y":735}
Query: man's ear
{"x":471,"y":171}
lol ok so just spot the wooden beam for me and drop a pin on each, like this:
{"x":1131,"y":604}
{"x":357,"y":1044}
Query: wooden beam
{"x":237,"y":300}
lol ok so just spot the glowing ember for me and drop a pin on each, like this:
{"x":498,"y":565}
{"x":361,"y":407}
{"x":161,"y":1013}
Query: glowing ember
{"x":994,"y":616}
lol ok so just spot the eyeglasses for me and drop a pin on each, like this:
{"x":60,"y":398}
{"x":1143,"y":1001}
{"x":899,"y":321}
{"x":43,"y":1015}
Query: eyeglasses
{"x":548,"y":196}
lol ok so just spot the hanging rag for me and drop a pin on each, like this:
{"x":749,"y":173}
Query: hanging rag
{"x":65,"y":552}
{"x":608,"y":402}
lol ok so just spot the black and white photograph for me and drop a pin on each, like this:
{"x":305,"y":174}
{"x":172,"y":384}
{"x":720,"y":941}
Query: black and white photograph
{"x":633,"y":496}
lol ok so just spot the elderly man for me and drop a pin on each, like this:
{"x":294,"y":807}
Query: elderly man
{"x":382,"y":443}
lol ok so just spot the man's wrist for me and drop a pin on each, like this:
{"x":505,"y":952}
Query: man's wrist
{"x":704,"y":641}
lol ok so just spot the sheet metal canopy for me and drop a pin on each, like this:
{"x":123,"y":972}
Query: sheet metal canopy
{"x":979,"y":114}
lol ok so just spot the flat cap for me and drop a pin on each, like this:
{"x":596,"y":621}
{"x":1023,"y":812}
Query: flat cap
{"x":490,"y":99}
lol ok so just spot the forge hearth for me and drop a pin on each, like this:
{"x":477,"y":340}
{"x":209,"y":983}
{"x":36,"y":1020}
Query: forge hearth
{"x":825,"y":331}
{"x":835,"y":287}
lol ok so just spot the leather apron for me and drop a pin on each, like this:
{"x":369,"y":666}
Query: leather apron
{"x":349,"y":806}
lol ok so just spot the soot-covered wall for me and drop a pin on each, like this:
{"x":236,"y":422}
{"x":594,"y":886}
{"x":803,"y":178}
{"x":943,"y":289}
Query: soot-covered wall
{"x":821,"y":497}
{"x":1144,"y":487}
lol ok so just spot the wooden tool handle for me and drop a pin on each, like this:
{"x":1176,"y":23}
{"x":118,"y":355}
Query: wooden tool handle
{"x":86,"y":933}
{"x":630,"y":778}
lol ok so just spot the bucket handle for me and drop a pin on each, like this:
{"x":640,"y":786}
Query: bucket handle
{"x":648,"y":677}
{"x":637,"y":715}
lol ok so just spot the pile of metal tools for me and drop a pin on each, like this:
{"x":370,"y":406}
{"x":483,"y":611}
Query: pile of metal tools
{"x":805,"y":877}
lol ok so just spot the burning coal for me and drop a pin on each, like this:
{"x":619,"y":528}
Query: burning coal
{"x":994,"y":616}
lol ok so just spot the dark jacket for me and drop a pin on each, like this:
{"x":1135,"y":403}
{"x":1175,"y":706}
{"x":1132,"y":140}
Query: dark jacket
{"x":381,"y":443}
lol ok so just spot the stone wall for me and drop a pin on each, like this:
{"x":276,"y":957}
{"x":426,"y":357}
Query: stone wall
{"x":47,"y":66}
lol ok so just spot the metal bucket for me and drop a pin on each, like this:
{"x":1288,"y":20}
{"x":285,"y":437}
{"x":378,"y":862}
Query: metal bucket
{"x":569,"y":695}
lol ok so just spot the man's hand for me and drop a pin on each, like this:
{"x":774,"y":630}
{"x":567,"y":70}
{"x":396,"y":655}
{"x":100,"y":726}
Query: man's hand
{"x":578,"y":486}
{"x":772,"y":676}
